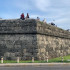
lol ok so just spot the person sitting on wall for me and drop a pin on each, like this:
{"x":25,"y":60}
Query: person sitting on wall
{"x":22,"y":16}
{"x":38,"y":18}
{"x":27,"y":15}
{"x":44,"y":20}
{"x":52,"y":24}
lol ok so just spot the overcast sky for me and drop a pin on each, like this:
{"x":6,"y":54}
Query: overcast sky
{"x":58,"y":10}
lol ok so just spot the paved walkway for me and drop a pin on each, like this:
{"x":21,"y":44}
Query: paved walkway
{"x":27,"y":64}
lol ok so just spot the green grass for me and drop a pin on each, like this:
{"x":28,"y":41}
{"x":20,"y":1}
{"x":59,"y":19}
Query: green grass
{"x":22,"y":61}
{"x":8,"y":61}
{"x":66,"y":58}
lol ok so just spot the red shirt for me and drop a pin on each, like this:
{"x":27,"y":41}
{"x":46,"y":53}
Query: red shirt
{"x":22,"y":15}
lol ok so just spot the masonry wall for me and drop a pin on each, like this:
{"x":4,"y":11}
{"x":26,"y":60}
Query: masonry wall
{"x":31,"y":38}
{"x":50,"y":30}
{"x":23,"y":46}
{"x":18,"y":39}
{"x":18,"y":26}
{"x":53,"y":40}
{"x":53,"y":45}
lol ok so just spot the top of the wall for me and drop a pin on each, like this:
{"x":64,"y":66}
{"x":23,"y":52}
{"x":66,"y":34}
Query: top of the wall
{"x":31,"y":26}
{"x":14,"y":26}
{"x":51,"y":30}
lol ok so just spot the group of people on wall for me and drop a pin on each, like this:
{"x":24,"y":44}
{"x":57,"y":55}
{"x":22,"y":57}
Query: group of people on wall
{"x":23,"y":16}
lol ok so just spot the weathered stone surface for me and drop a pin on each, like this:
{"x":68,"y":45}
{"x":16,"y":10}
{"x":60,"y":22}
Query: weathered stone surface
{"x":53,"y":45}
{"x":18,"y":26}
{"x":31,"y":38}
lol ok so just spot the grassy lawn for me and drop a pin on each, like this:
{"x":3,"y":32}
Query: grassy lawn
{"x":66,"y":59}
{"x":22,"y":61}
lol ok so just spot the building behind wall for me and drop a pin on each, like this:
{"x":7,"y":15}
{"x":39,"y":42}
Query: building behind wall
{"x":32,"y":38}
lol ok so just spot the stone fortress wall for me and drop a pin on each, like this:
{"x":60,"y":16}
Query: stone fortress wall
{"x":53,"y":40}
{"x":32,"y":38}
